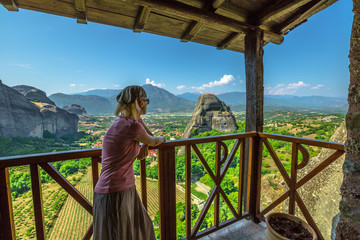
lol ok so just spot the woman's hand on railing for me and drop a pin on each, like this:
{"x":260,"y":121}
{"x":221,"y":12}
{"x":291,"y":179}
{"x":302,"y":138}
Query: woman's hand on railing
{"x":143,"y":152}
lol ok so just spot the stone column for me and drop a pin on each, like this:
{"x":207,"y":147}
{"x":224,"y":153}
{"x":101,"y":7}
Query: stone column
{"x":349,"y":225}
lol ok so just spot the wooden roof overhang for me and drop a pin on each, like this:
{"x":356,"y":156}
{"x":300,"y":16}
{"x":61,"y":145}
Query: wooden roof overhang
{"x":219,"y":23}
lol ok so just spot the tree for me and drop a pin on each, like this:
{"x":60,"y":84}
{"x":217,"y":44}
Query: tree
{"x":349,"y":225}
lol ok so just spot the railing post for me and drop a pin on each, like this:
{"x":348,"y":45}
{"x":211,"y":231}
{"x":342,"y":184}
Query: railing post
{"x":37,"y":200}
{"x":6,"y":213}
{"x":167,"y":193}
{"x":217,"y":183}
{"x":143,"y":182}
{"x":188,"y":190}
{"x":254,"y":182}
{"x":95,"y":169}
{"x":293,"y":178}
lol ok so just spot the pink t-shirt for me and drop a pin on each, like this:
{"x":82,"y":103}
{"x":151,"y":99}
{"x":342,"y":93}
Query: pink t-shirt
{"x":118,"y":155}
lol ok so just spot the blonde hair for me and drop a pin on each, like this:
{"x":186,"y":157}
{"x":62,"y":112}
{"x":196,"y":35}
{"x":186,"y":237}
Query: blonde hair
{"x":127,"y":100}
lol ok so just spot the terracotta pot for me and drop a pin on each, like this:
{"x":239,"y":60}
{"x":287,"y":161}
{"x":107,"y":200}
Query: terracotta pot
{"x":271,"y":234}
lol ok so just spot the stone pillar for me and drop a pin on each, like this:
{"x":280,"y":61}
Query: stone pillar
{"x":348,"y":227}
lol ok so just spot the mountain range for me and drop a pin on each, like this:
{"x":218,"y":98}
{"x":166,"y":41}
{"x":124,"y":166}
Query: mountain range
{"x":103,"y":101}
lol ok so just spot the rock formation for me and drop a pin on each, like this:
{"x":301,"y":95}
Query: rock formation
{"x":18,"y":116}
{"x":21,"y":117}
{"x":321,"y":194}
{"x":79,"y":111}
{"x":210,"y":113}
{"x":58,"y":121}
{"x":33,"y":94}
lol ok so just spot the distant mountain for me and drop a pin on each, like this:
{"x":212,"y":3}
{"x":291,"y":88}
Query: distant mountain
{"x":94,"y":105}
{"x":160,"y":101}
{"x":106,"y":93}
{"x":233,"y":98}
{"x":190,"y":96}
{"x":164,"y":101}
{"x":104,"y":101}
{"x":305,"y":102}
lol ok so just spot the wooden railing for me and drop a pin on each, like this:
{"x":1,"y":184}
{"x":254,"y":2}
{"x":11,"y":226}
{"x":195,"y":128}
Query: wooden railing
{"x":167,"y":182}
{"x":292,"y":182}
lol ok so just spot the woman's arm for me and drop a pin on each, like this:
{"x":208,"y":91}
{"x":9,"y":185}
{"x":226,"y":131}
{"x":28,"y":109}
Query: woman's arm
{"x":149,"y":140}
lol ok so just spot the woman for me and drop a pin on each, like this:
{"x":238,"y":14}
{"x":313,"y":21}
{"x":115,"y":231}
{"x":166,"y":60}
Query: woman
{"x":118,"y":211}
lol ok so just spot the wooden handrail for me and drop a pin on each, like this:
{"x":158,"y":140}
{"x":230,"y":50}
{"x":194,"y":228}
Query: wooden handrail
{"x":306,"y":141}
{"x":38,"y":158}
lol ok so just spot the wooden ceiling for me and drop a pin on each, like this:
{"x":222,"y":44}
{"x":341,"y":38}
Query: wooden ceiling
{"x":219,"y":23}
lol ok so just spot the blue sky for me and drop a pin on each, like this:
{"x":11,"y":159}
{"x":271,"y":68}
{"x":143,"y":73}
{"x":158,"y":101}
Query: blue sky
{"x":55,"y":54}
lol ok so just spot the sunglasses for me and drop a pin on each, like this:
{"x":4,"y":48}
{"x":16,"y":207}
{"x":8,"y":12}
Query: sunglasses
{"x":147,"y":100}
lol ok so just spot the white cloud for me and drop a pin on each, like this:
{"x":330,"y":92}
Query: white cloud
{"x":153,"y":83}
{"x":26,"y":65}
{"x":181,"y":87}
{"x":226,"y":79}
{"x":318,"y":86}
{"x":116,"y":85}
{"x":72,"y":85}
{"x":282,"y":89}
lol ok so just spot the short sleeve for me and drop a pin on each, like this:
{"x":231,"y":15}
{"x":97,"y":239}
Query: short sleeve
{"x":136,"y":129}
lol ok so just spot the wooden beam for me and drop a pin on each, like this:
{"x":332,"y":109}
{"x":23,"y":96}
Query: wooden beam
{"x":141,"y":19}
{"x":207,"y":17}
{"x":80,"y":9}
{"x":191,"y":31}
{"x":227,"y":41}
{"x":10,"y":5}
{"x":217,"y":3}
{"x":231,"y":10}
{"x":277,"y":10}
{"x":298,"y":17}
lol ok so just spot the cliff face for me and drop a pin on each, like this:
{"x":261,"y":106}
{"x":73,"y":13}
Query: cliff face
{"x":79,"y":111}
{"x":58,"y":121}
{"x":321,"y":194}
{"x":210,"y":113}
{"x":18,"y":116}
{"x":21,"y":117}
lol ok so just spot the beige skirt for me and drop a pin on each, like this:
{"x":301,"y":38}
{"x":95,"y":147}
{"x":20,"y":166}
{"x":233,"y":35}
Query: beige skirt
{"x":121,"y":216}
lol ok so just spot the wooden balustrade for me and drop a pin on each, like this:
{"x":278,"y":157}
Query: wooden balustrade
{"x":291,"y":181}
{"x":167,"y":183}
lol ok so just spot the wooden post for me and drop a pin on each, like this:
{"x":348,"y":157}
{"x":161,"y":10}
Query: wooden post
{"x":7,"y":231}
{"x":95,"y":170}
{"x":143,"y":182}
{"x":217,"y":183}
{"x":38,"y":201}
{"x":294,"y":163}
{"x":254,"y":112}
{"x":167,"y":193}
{"x":188,"y":190}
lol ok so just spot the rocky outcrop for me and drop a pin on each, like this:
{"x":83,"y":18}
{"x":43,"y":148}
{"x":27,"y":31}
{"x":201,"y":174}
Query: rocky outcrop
{"x":80,"y":112}
{"x":321,"y":194}
{"x":18,"y":116}
{"x":210,"y":113}
{"x":21,"y":117}
{"x":58,"y":121}
{"x":33,"y":94}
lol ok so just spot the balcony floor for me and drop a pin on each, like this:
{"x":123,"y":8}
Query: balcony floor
{"x":242,"y":230}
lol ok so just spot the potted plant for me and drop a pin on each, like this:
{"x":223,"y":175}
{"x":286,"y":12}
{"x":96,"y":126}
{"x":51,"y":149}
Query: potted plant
{"x":283,"y":226}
